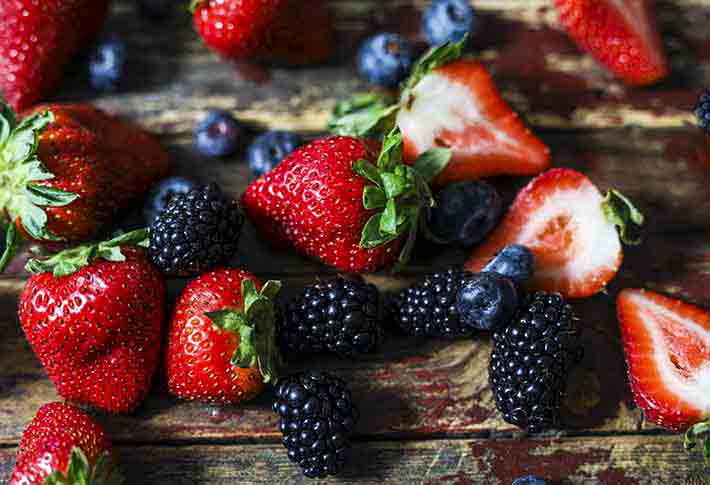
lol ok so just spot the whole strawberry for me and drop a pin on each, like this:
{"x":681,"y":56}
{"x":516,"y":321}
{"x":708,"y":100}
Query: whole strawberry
{"x":93,"y":316}
{"x":38,"y":40}
{"x":64,"y":445}
{"x":222,"y":340}
{"x":335,"y":200}
{"x":290,"y":31}
{"x":70,"y":168}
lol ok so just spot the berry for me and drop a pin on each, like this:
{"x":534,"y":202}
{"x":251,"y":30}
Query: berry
{"x":161,"y":195}
{"x":530,"y":360}
{"x":338,"y":316}
{"x":316,"y":418}
{"x":702,"y":111}
{"x":269,"y":149}
{"x":465,"y":212}
{"x":428,"y":308}
{"x":157,"y":9}
{"x":107,"y":65}
{"x":196,"y":231}
{"x":530,"y":480}
{"x":385,"y":59}
{"x":448,"y":21}
{"x":218,"y":134}
{"x":516,"y":262}
{"x":486,"y":301}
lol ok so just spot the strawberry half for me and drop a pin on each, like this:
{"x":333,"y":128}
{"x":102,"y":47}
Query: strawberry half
{"x":571,"y":229}
{"x":621,"y":34}
{"x":452,"y":104}
{"x":64,"y":445}
{"x":667,"y":345}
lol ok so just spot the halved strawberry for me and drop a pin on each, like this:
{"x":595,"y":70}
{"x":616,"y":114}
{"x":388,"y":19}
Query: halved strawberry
{"x":457,"y":106}
{"x":667,"y":344}
{"x":621,"y":34}
{"x":570,"y":227}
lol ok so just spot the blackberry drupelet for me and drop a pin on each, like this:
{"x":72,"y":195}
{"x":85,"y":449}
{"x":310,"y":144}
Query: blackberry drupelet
{"x":316,"y":417}
{"x":702,"y":111}
{"x":530,"y":360}
{"x":338,"y":316}
{"x":428,"y":308}
{"x":196,"y":231}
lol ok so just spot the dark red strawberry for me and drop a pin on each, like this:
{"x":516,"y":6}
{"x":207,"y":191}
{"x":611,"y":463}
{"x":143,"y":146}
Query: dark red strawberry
{"x":93,"y":316}
{"x":64,"y":445}
{"x":335,"y":200}
{"x":222,"y":339}
{"x":571,"y":229}
{"x":621,"y":34}
{"x":667,"y":345}
{"x":37,"y":41}
{"x":71,"y":169}
{"x":290,"y":31}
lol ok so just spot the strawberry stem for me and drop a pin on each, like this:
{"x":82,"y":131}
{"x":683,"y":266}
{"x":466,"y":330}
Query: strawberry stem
{"x":697,"y":432}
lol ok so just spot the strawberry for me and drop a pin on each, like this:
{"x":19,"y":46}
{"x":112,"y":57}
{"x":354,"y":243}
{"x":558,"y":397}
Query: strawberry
{"x":64,"y":445}
{"x":38,"y":40}
{"x":620,"y":34}
{"x":667,"y":345}
{"x":292,"y":31}
{"x":330,"y":201}
{"x":454,"y":104}
{"x":93,"y":316}
{"x":70,"y":169}
{"x":222,"y":340}
{"x":570,"y":228}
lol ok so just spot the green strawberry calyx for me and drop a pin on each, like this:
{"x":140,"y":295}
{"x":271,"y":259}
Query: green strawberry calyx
{"x":24,"y":193}
{"x":696,"y":433}
{"x":256,"y":327}
{"x":372,"y":113}
{"x":621,"y":212}
{"x":194,"y":4}
{"x":399,"y":194}
{"x":72,"y":260}
{"x":81,"y":472}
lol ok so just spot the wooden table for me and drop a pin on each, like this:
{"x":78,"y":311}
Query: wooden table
{"x":427,"y":412}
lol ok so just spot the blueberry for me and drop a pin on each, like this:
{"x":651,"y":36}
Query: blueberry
{"x":465,"y":213}
{"x":530,"y":480}
{"x":385,"y":59}
{"x":267,"y":150}
{"x":107,"y":65}
{"x":162,"y":193}
{"x":486,"y":301}
{"x":448,"y":21}
{"x":515,"y":262}
{"x":157,"y":9}
{"x":218,"y":134}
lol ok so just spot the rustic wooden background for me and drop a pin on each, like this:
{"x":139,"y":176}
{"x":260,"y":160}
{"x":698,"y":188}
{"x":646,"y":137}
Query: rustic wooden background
{"x":428,"y":415}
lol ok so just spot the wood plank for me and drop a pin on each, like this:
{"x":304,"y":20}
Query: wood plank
{"x":622,"y":460}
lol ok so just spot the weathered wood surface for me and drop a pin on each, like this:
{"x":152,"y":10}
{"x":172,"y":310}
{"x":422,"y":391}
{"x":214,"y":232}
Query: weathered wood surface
{"x":427,"y":411}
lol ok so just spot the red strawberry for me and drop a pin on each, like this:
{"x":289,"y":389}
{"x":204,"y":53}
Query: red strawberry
{"x":457,"y":106}
{"x":72,"y":169}
{"x":331,"y":202}
{"x":621,"y":34}
{"x":667,"y":345}
{"x":93,"y":316}
{"x":37,"y":41}
{"x":291,"y":31}
{"x":61,"y":445}
{"x":222,"y":340}
{"x":571,"y":229}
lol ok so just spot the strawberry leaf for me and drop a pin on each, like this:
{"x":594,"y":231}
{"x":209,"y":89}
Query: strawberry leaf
{"x":362,"y":115}
{"x":373,"y":198}
{"x":388,"y":221}
{"x":367,"y":170}
{"x":394,"y":184}
{"x":621,"y":212}
{"x":391,"y":153}
{"x":432,"y":162}
{"x":432,"y":59}
{"x":698,"y":432}
{"x":13,"y":239}
{"x":80,"y":472}
{"x":49,"y":196}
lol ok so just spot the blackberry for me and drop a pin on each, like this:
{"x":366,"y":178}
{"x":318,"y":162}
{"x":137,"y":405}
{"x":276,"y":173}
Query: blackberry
{"x":338,"y":316}
{"x":702,"y":111}
{"x":316,"y":418}
{"x":196,"y":231}
{"x":429,"y":309}
{"x":530,"y":360}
